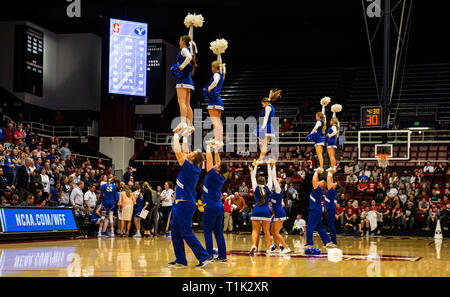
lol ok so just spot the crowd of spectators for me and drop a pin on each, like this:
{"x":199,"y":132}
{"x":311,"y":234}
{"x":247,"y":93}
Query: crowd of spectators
{"x":399,"y":199}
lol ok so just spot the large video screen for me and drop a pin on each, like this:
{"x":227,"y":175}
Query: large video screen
{"x":128,"y":58}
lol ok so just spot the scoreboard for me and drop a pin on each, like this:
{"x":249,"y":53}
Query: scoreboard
{"x":128,"y":58}
{"x":28,"y":60}
{"x":371,"y":116}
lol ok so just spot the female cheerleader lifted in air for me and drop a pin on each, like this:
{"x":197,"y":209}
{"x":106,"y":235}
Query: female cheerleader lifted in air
{"x":316,"y":134}
{"x":332,"y":137}
{"x":212,"y":92}
{"x":183,"y":71}
{"x":267,"y":130}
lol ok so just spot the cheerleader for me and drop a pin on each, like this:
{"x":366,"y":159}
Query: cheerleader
{"x":185,"y":67}
{"x":316,"y":134}
{"x":185,"y":205}
{"x":332,"y":136}
{"x":212,"y":92}
{"x":214,"y":209}
{"x":261,"y":213}
{"x":137,"y":211}
{"x":330,"y":205}
{"x":315,"y":214}
{"x":267,"y":130}
{"x":279,"y":213}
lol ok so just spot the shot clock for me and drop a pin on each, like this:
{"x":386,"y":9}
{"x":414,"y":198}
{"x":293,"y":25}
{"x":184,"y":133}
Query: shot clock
{"x":371,"y":117}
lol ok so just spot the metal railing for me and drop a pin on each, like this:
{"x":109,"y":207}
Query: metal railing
{"x":299,"y":138}
{"x":66,"y":132}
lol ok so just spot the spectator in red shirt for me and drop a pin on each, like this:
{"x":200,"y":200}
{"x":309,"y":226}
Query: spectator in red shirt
{"x":349,"y":211}
{"x":227,"y":219}
{"x":371,"y":185}
{"x":445,"y":201}
{"x":373,"y":205}
{"x":397,"y":219}
{"x":386,"y":213}
{"x":58,"y":118}
{"x":9,"y":133}
{"x":339,"y":214}
{"x":362,"y":186}
{"x":285,"y":126}
{"x":19,"y":136}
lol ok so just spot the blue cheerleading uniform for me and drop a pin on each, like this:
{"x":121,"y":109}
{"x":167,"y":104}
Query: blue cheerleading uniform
{"x":139,"y":205}
{"x":317,"y":135}
{"x":315,"y":217}
{"x":108,"y":192}
{"x":330,"y":205}
{"x":184,"y":79}
{"x":331,"y":141}
{"x":277,"y":206}
{"x":213,"y":213}
{"x":182,"y":213}
{"x":269,"y":130}
{"x":261,"y":212}
{"x":215,"y":100}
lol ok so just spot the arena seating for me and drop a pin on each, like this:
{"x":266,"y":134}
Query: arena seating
{"x":424,"y":87}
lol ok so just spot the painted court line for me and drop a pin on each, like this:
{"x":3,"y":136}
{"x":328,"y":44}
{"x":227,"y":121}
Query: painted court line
{"x":345,"y":257}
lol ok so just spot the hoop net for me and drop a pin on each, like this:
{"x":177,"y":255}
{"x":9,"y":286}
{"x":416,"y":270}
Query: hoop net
{"x":383,"y":160}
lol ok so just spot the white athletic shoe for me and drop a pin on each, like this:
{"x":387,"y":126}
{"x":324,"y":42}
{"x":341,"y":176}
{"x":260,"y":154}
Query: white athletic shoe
{"x":253,"y":250}
{"x":219,"y":145}
{"x":211,"y":142}
{"x":332,"y":170}
{"x":180,"y":128}
{"x":189,"y":130}
{"x":319,"y":170}
{"x":285,"y":251}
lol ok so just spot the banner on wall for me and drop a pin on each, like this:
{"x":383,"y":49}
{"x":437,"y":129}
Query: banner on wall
{"x":37,"y":219}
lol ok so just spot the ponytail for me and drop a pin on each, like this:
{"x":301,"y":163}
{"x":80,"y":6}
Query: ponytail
{"x":262,"y":193}
{"x":273,"y":96}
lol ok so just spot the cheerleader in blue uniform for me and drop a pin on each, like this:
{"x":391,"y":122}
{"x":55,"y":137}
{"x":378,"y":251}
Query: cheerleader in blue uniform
{"x":332,"y":137}
{"x":261,"y":215}
{"x":215,"y":105}
{"x":279,"y":213}
{"x":316,"y":134}
{"x":266,"y":131}
{"x":214,"y":210}
{"x":315,"y":214}
{"x":212,"y":91}
{"x":330,"y":206}
{"x":137,"y":210}
{"x":185,"y":205}
{"x":183,"y":71}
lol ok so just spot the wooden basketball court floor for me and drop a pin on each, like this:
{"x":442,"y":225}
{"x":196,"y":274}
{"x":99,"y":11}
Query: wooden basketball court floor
{"x":115,"y":257}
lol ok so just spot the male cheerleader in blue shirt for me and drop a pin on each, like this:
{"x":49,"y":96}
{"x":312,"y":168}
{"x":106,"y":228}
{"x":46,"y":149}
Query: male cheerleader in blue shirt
{"x":212,"y":197}
{"x":185,"y":205}
{"x":330,"y":205}
{"x":315,"y":215}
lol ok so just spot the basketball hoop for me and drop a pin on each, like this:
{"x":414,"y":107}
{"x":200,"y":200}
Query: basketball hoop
{"x":383,"y":160}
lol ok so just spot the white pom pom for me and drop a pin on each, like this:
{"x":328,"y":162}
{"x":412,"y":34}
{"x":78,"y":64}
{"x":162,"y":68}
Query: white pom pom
{"x":336,"y":108}
{"x":219,"y":46}
{"x":193,"y":20}
{"x":325,"y":101}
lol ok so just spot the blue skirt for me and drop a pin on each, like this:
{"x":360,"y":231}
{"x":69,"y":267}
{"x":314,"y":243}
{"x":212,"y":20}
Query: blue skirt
{"x":331,"y":142}
{"x":263,"y":133}
{"x":261,"y":213}
{"x":316,"y":137}
{"x":280,"y":214}
{"x":137,"y":211}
